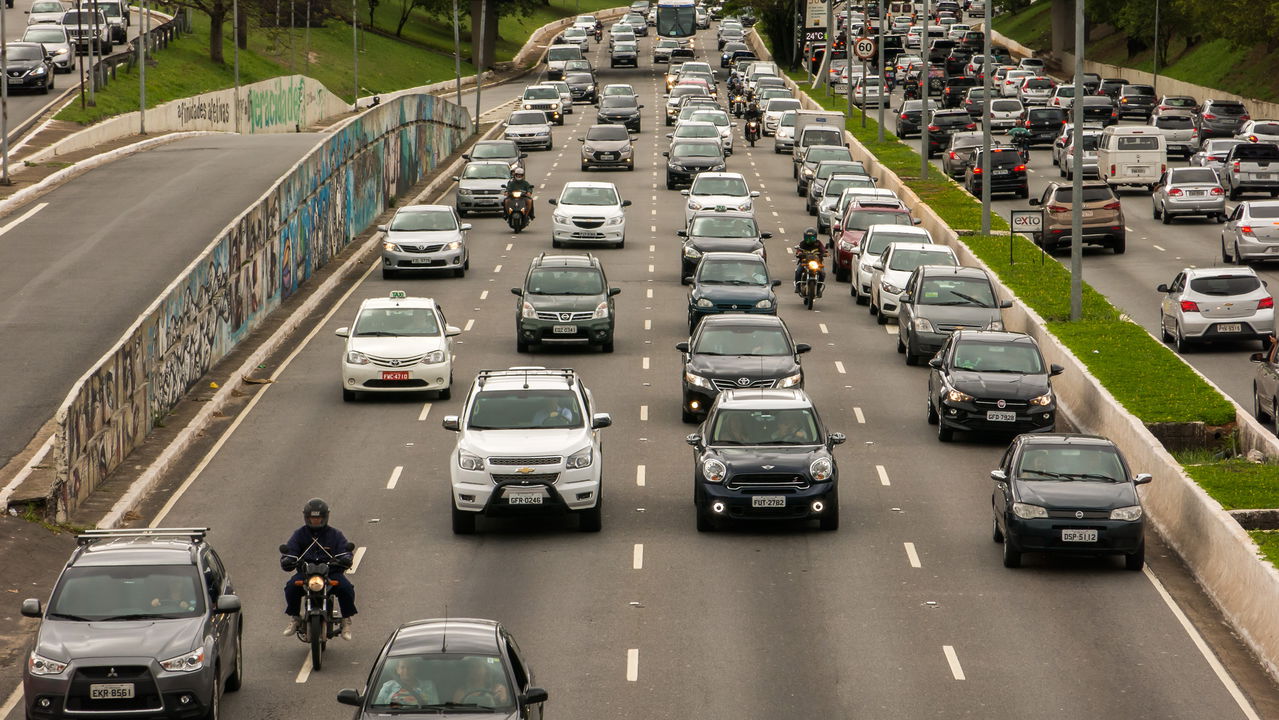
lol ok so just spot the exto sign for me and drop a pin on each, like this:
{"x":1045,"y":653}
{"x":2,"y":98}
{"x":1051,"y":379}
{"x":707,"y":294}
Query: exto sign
{"x":1027,"y":221}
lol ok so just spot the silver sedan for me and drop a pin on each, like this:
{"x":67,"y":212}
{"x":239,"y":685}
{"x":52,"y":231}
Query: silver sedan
{"x":1251,"y":232}
{"x":1213,"y":153}
{"x":1207,"y":304}
{"x":1189,"y":191}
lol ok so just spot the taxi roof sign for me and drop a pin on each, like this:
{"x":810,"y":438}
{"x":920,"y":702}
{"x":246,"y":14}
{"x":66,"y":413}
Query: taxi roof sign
{"x":398,"y":294}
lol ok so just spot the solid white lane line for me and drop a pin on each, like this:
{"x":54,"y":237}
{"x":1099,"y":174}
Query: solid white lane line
{"x":11,"y":703}
{"x":645,"y":362}
{"x":497,"y":269}
{"x":1213,"y":662}
{"x":643,"y":413}
{"x":355,"y":560}
{"x":891,"y":329}
{"x":883,"y":475}
{"x":822,"y":327}
{"x":839,"y":366}
{"x":632,"y":664}
{"x":469,"y":324}
{"x":913,"y":557}
{"x":955,"y":669}
{"x":395,"y":477}
{"x":426,"y":410}
{"x":18,"y":221}
{"x":648,"y":324}
{"x":637,"y":557}
{"x":1157,"y":248}
{"x":305,"y":672}
{"x":639,"y":475}
{"x":861,"y":419}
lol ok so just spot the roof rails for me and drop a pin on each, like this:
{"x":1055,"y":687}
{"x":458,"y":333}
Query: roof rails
{"x":195,"y":535}
{"x":567,"y":374}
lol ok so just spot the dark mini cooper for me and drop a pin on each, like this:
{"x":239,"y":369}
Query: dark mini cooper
{"x":989,"y":381}
{"x":765,"y":454}
{"x":737,"y":351}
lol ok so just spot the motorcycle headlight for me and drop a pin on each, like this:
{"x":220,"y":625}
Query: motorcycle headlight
{"x":763,"y":304}
{"x":601,"y":311}
{"x":454,"y":245}
{"x":704,"y":302}
{"x":1026,"y":511}
{"x":1045,"y":399}
{"x":194,"y":660}
{"x":923,"y":325}
{"x":41,"y":665}
{"x":821,"y":469}
{"x":958,"y":397}
{"x":315,"y":583}
{"x":698,"y":381}
{"x":691,"y":252}
{"x":561,"y":219}
{"x":433,"y":357}
{"x":714,"y":470}
{"x":467,"y":461}
{"x":390,"y":247}
{"x":614,"y":222}
{"x":814,"y":265}
{"x":580,"y":459}
{"x":356,"y":358}
{"x":889,"y":288}
{"x":791,"y":381}
{"x":1130,"y":513}
{"x":527,"y":311}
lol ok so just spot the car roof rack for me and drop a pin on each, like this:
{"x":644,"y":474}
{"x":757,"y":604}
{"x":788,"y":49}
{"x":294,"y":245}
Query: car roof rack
{"x":525,"y":372}
{"x":195,"y":535}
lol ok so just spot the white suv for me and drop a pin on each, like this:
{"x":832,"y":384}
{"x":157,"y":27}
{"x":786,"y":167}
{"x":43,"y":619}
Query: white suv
{"x":398,"y":344}
{"x":714,"y":190}
{"x":528,"y":443}
{"x":588,"y":213}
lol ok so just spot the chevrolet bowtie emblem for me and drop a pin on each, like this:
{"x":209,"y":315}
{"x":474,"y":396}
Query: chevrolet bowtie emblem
{"x":524,"y":471}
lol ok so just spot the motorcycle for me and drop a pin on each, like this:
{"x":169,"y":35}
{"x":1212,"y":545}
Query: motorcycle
{"x":321,"y":619}
{"x":811,"y":280}
{"x":739,"y":105}
{"x":911,"y":91}
{"x":517,"y":207}
{"x":599,"y":34}
{"x":752,"y":131}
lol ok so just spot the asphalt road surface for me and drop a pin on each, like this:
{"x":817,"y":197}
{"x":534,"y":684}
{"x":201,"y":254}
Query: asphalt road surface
{"x":84,"y":260}
{"x":905,"y":612}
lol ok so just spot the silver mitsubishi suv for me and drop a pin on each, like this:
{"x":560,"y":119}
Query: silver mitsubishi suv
{"x":141,"y":624}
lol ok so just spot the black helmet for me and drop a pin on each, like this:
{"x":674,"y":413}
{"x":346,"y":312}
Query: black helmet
{"x":316,"y":508}
{"x":810,"y":236}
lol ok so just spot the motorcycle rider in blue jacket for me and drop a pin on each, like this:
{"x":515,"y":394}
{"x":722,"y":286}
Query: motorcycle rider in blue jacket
{"x":317,"y":542}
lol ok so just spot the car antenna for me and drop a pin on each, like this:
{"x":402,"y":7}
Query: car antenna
{"x":444,"y":641}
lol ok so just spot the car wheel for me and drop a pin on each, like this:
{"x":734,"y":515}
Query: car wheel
{"x":1120,"y":245}
{"x":1163,"y":329}
{"x":944,"y":434}
{"x":458,"y":272}
{"x":461,"y":212}
{"x":236,"y":680}
{"x":1233,"y":193}
{"x":556,"y":243}
{"x":1179,"y":341}
{"x":591,"y":520}
{"x":1165,"y":218}
{"x":446,"y":392}
{"x":880,"y":317}
{"x":1257,"y":412}
{"x":1154,"y":211}
{"x":995,"y":533}
{"x":1137,"y":560}
{"x":932,"y":413}
{"x":901,"y":346}
{"x":1012,"y":557}
{"x":349,"y":395}
{"x":215,"y":697}
{"x":1061,"y":170}
{"x":521,"y":346}
{"x":1225,"y":256}
{"x":608,"y":345}
{"x":1238,"y":259}
{"x":829,"y":520}
{"x":463,"y":522}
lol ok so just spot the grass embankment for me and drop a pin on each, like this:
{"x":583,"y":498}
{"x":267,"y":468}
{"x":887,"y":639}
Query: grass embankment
{"x":1268,"y":541}
{"x":1245,"y":71}
{"x":512,"y":31}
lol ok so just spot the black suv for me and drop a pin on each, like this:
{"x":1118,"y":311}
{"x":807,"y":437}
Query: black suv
{"x":141,"y":622}
{"x":956,"y":86}
{"x":1044,"y":123}
{"x":990,"y":381}
{"x":1220,"y":118}
{"x":1007,"y":172}
{"x":908,"y":120}
{"x":945,"y":123}
{"x":1110,"y":87}
{"x":565,"y":300}
{"x":737,"y":351}
{"x":765,"y":454}
{"x":1137,"y":100}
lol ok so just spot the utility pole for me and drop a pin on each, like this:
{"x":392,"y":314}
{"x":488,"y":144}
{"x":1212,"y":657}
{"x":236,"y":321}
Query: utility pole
{"x":4,"y":103}
{"x":355,"y":51}
{"x":1154,"y":83}
{"x":93,"y":66}
{"x":884,"y":93}
{"x":79,"y":23}
{"x":142,"y":71}
{"x":1077,"y":187}
{"x":479,"y":61}
{"x":848,"y":65}
{"x":235,"y":54}
{"x":823,"y":70}
{"x":457,"y":54}
{"x":986,"y":69}
{"x":924,"y":119}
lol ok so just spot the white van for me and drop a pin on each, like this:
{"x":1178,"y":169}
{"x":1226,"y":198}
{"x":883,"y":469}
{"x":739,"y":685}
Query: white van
{"x":557,"y":56}
{"x":1132,"y":155}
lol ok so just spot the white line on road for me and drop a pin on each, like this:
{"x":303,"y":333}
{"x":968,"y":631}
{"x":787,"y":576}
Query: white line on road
{"x":790,"y":251}
{"x":639,"y":475}
{"x":654,"y":211}
{"x":775,"y":213}
{"x":648,"y":324}
{"x":822,"y":327}
{"x":637,"y":557}
{"x":649,"y":293}
{"x":643,"y":413}
{"x":839,"y":366}
{"x":511,"y":245}
{"x":861,"y":419}
{"x":891,"y":329}
{"x":632,"y":665}
{"x":497,"y":269}
{"x":355,"y":561}
{"x":650,"y":268}
{"x":426,"y":410}
{"x":469,"y":324}
{"x":652,"y":248}
{"x":651,"y":228}
{"x":14,"y":223}
{"x":11,"y":703}
{"x":913,"y":557}
{"x":395,"y":477}
{"x":953,"y":660}
{"x":305,"y":672}
{"x":645,"y":362}
{"x":883,"y":475}
{"x":1157,"y":247}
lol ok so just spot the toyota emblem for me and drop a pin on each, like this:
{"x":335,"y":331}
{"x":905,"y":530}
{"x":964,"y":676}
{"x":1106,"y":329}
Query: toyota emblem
{"x":1079,"y":514}
{"x":1001,"y":404}
{"x":743,"y":382}
{"x":565,"y":316}
{"x":395,"y":363}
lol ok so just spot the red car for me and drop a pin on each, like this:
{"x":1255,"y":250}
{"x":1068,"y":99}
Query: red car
{"x":859,"y":215}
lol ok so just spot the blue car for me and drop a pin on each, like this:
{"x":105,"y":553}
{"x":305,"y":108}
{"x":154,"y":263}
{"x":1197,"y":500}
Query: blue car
{"x":731,"y":282}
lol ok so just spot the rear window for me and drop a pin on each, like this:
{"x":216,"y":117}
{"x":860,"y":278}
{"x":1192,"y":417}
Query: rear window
{"x":1038,"y":84}
{"x":821,"y":137}
{"x":1266,"y":128}
{"x":1225,"y":285}
{"x":1095,"y":193}
{"x":1228,"y":108}
{"x":1194,"y":175}
{"x":1138,"y":90}
{"x":1003,"y":159}
{"x":1174,"y":122}
{"x":1258,"y":151}
{"x":1047,"y":115}
{"x":1136,"y":142}
{"x":1263,"y":211}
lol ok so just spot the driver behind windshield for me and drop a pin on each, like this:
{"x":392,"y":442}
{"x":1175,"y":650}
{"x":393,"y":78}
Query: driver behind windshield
{"x":483,"y":686}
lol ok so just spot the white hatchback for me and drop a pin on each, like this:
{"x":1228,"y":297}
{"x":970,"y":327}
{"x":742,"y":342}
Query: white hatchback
{"x":589,"y":213}
{"x":718,"y":191}
{"x":893,"y":268}
{"x":397,"y":344}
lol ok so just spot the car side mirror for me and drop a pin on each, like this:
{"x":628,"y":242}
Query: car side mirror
{"x":682,"y":346}
{"x":466,"y":156}
{"x":457,"y":179}
{"x":999,"y":476}
{"x":342,"y":332}
{"x":626,"y":203}
{"x":523,"y":155}
{"x":534,"y":695}
{"x":227,"y":604}
{"x":465,"y":226}
{"x":1161,"y":287}
{"x":452,"y":331}
{"x":665,"y":154}
{"x":1055,"y":369}
{"x":777,"y":283}
{"x":641,"y":107}
{"x":834,"y":227}
{"x":905,"y":298}
{"x":1005,"y":304}
{"x":601,"y":420}
{"x":681,"y":233}
{"x":693,"y":439}
{"x":383,"y":228}
{"x":517,"y":291}
{"x":765,"y":236}
{"x":451,"y":423}
{"x":581,"y":140}
{"x":350,"y":696}
{"x":31,"y":608}
{"x":1142,"y":479}
{"x":614,"y":291}
{"x":836,"y":438}
{"x":916,"y":221}
{"x":1257,"y":357}
{"x":553,"y":201}
{"x":1033,"y":201}
{"x":934,"y":362}
{"x":684,"y":193}
{"x":754,"y":193}
{"x":877,"y":265}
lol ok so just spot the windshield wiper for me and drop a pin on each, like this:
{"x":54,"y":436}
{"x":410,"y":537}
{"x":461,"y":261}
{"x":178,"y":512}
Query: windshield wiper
{"x":456,"y":705}
{"x":375,"y":333}
{"x":140,"y":616}
{"x":1047,"y":474}
{"x":969,"y":298}
{"x":67,"y":616}
{"x":1088,"y":476}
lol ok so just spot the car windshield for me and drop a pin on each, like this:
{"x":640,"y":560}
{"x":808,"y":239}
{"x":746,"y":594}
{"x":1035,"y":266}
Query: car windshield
{"x":862,"y":219}
{"x":45,"y":35}
{"x":493,"y":151}
{"x":1139,"y":90}
{"x":565,"y":281}
{"x":574,"y":32}
{"x":724,"y":227}
{"x":608,"y":132}
{"x":691,"y":150}
{"x":487,"y":171}
{"x":729,"y":186}
{"x":743,"y":341}
{"x":1225,"y":285}
{"x":618,"y":101}
{"x":127,"y":592}
{"x":542,"y":93}
{"x":796,"y":426}
{"x":622,"y":47}
{"x":680,"y":91}
{"x":413,"y":683}
{"x":822,"y":137}
{"x":109,"y":9}
{"x":826,"y":169}
{"x":879,"y":239}
{"x":396,"y":322}
{"x":75,"y":17}
{"x":424,"y":220}
{"x":1013,"y":357}
{"x":907,"y":259}
{"x":952,"y":290}
{"x":1038,"y":84}
{"x":23,"y":53}
{"x":563,"y":54}
{"x":787,"y":120}
{"x":46,"y":7}
{"x":732,"y":272}
{"x":585,"y":195}
{"x":1090,"y":464}
{"x":525,"y":410}
{"x":782,"y":104}
{"x":836,"y":187}
{"x":527,"y":118}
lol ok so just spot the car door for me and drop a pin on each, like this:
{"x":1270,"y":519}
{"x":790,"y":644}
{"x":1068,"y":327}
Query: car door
{"x":219,"y":624}
{"x":1001,"y":492}
{"x":1170,"y":306}
{"x":1230,"y":233}
{"x":1268,"y":380}
{"x":935,"y":383}
{"x":877,"y":273}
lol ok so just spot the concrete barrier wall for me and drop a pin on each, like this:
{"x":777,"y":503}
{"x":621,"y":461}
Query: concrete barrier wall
{"x":256,"y":263}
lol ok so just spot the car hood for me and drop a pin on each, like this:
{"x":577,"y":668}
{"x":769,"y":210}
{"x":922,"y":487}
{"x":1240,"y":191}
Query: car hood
{"x":533,"y":128}
{"x":697,"y":161}
{"x":755,"y":367}
{"x":1077,"y":495}
{"x":482,"y":183}
{"x":161,"y":639}
{"x":710,"y":201}
{"x":1009,"y":386}
{"x":487,"y":443}
{"x":784,"y":459}
{"x":895,"y":277}
{"x":744,"y":295}
{"x":966,"y":316}
{"x":608,"y":145}
{"x":422,"y":237}
{"x":619,"y":111}
{"x":564,"y":303}
{"x":709,"y":244}
{"x":23,"y":65}
{"x":395,"y":347}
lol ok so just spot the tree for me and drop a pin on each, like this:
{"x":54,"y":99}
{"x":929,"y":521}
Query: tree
{"x":219,"y":11}
{"x":777,"y":22}
{"x":372,"y":6}
{"x":406,"y":9}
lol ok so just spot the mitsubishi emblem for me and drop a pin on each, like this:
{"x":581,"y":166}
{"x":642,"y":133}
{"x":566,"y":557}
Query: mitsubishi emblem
{"x":1079,"y":514}
{"x":1001,"y":404}
{"x":743,"y":382}
{"x":112,"y":673}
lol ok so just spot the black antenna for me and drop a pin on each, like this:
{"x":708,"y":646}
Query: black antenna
{"x":444,"y":641}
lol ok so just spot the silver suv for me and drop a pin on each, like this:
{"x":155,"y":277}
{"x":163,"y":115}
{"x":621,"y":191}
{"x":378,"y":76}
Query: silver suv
{"x":140,"y":623}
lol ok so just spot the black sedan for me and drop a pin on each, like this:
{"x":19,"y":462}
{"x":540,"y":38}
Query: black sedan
{"x":1070,"y":494}
{"x":431,"y":668}
{"x":765,"y":454}
{"x":737,"y":351}
{"x":687,"y":158}
{"x":620,"y":110}
{"x":582,"y":86}
{"x":712,"y":231}
{"x":29,"y":67}
{"x":988,"y":381}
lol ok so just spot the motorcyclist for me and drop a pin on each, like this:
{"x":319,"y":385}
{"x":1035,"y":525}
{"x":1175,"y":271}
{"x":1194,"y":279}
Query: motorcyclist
{"x":317,"y":542}
{"x":517,"y":182}
{"x":808,"y":246}
{"x":753,"y":111}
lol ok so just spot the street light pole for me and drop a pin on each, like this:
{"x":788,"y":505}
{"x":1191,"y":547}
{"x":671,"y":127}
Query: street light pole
{"x":478,"y":57}
{"x":355,"y":50}
{"x":923,"y":95}
{"x":457,"y":52}
{"x":1077,"y":187}
{"x":142,"y":72}
{"x":884,"y":93}
{"x":985,"y":118}
{"x":235,"y":54}
{"x":4,"y":103}
{"x":1154,"y":84}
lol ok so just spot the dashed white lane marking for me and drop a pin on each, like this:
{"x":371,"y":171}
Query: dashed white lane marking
{"x":484,"y":295}
{"x":639,"y":475}
{"x":649,"y":293}
{"x":1129,"y":229}
{"x":637,"y":557}
{"x":822,"y":327}
{"x":650,"y":268}
{"x":645,"y":362}
{"x":511,"y":245}
{"x":497,"y":269}
{"x":648,"y":324}
{"x":913,"y":557}
{"x":839,"y":367}
{"x":653,"y":248}
{"x":18,"y":221}
{"x":955,"y":670}
{"x":790,"y":251}
{"x":775,"y":214}
{"x":1157,"y":248}
{"x":643,"y":413}
{"x":395,"y":477}
{"x":632,"y":664}
{"x":654,"y":211}
{"x":883,"y":475}
{"x":355,"y":560}
{"x":469,"y":324}
{"x":768,"y":198}
{"x":861,"y":419}
{"x":305,"y":672}
{"x":781,"y":230}
{"x":651,"y":228}
{"x":891,"y":329}
{"x":426,"y":410}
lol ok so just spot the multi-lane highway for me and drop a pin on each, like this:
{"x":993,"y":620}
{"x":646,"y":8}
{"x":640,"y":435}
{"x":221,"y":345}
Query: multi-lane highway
{"x":905,"y":612}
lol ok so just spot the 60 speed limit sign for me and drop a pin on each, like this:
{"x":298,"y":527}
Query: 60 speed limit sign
{"x":864,"y":48}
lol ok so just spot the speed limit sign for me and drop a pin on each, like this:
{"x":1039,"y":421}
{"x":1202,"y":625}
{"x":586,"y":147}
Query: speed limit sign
{"x":864,"y":48}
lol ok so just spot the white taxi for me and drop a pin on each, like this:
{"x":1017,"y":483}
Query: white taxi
{"x":398,"y":344}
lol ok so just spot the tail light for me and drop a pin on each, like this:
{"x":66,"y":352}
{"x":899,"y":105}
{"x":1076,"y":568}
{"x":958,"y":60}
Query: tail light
{"x":1235,"y":165}
{"x":1058,"y":208}
{"x":1252,"y":138}
{"x":1209,"y":116}
{"x":1063,"y":122}
{"x":933,"y":128}
{"x":1189,"y":306}
{"x":1112,"y":170}
{"x":1175,"y":192}
{"x":1194,"y":133}
{"x":1112,"y":206}
{"x":1114,"y":114}
{"x":1218,"y":191}
{"x":1020,"y":168}
{"x":976,"y":170}
{"x":953,"y":156}
{"x":1245,"y":118}
{"x":904,"y":117}
{"x":1245,"y":229}
{"x":1265,"y":303}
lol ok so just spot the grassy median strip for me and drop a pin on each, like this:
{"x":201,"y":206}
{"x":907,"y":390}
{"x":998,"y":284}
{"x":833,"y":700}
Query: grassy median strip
{"x":1268,"y":541}
{"x":1238,"y":484}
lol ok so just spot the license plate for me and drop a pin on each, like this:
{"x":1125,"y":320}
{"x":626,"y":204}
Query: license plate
{"x":1197,"y":193}
{"x":524,"y":499}
{"x":1136,"y":171}
{"x":395,"y":374}
{"x":564,"y":330}
{"x":1002,"y":172}
{"x":1230,"y":327}
{"x":1264,"y":176}
{"x":768,"y":501}
{"x":588,"y":235}
{"x":111,"y":691}
{"x":1088,"y":213}
{"x":421,"y":261}
{"x":1001,"y":416}
{"x":608,"y":156}
{"x":1079,"y":536}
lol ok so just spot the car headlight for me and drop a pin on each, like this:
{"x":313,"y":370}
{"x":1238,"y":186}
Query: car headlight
{"x":697,"y":381}
{"x":555,"y":106}
{"x":1130,"y":513}
{"x":356,"y":358}
{"x":580,"y":459}
{"x":958,"y":397}
{"x":691,"y":252}
{"x":889,"y":288}
{"x":528,"y":106}
{"x":714,"y":470}
{"x":189,"y":662}
{"x":561,"y":219}
{"x":614,"y":222}
{"x":807,"y":172}
{"x":717,"y":168}
{"x":601,"y":311}
{"x":464,"y":191}
{"x":39,"y":70}
{"x":791,"y":381}
{"x":765,"y":303}
{"x":923,"y":325}
{"x":1045,"y":399}
{"x":62,"y":51}
{"x":704,"y":302}
{"x":845,"y":246}
{"x":433,"y":357}
{"x":821,"y":469}
{"x":588,"y":148}
{"x":41,"y":665}
{"x":390,"y":247}
{"x":694,"y":205}
{"x":454,"y":245}
{"x":527,"y":311}
{"x":675,"y":166}
{"x":1026,"y":511}
{"x":467,"y":461}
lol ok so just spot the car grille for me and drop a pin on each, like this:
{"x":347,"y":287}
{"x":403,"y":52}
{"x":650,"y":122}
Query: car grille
{"x":768,"y":480}
{"x":725,"y":384}
{"x":1088,"y":514}
{"x":394,"y":362}
{"x":502,"y":478}
{"x":952,"y":328}
{"x":17,"y":73}
{"x":421,"y":248}
{"x":1008,"y":404}
{"x":588,"y":223}
{"x":564,"y":317}
{"x":146,"y":696}
{"x":486,"y":192}
{"x":734,"y":306}
{"x":522,"y":461}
